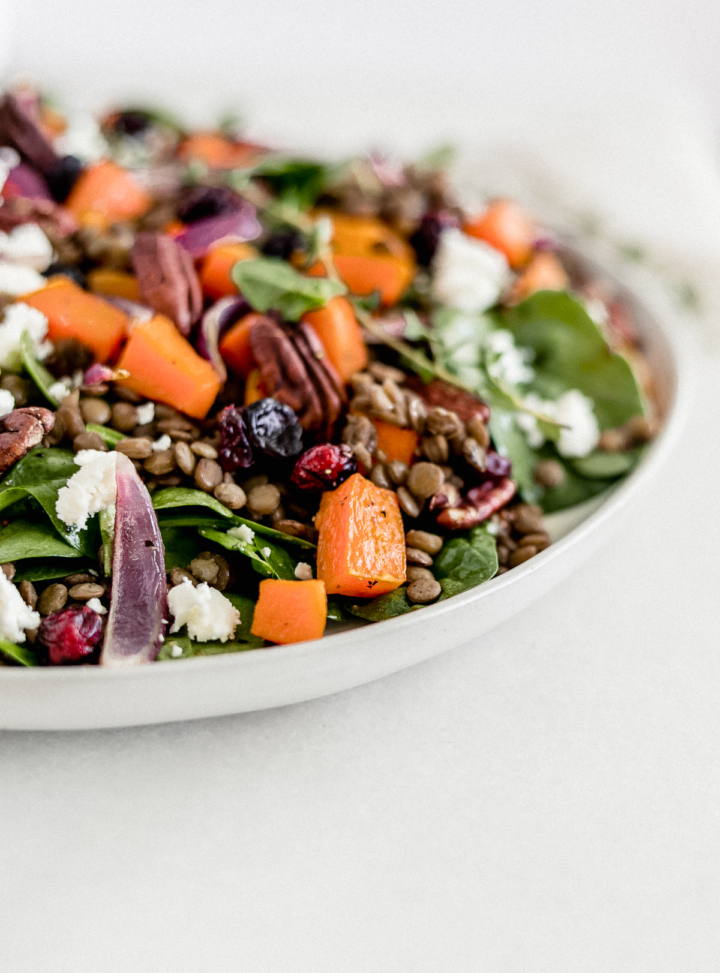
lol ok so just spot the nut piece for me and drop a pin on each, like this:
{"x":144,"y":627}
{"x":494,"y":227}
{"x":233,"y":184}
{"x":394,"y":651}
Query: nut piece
{"x":20,"y":430}
{"x":263,"y":499}
{"x":475,"y":455}
{"x":479,"y":431}
{"x":167,"y":278}
{"x":139,"y":448}
{"x":423,"y":541}
{"x":86,"y":591}
{"x":231,"y":495}
{"x":443,"y":422}
{"x":423,"y":591}
{"x":424,"y":480}
{"x":52,"y":599}
{"x":436,"y":448}
{"x":208,"y":475}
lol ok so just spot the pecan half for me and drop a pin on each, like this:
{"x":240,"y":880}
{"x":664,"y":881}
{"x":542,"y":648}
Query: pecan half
{"x":447,"y":396}
{"x":324,"y":377}
{"x":20,"y":430}
{"x":19,"y":130}
{"x":167,"y":278}
{"x":478,"y":504}
{"x":283,"y":371}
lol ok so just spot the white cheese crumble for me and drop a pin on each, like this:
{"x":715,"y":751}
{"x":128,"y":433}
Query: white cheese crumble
{"x":18,"y":318}
{"x":92,"y":489}
{"x":15,"y":615}
{"x":16,"y":279}
{"x":145,"y":413}
{"x":507,"y":362}
{"x":266,"y":552}
{"x":27,"y":245}
{"x":467,"y":273}
{"x":175,"y":650}
{"x":164,"y":442}
{"x":83,"y":139}
{"x":208,"y":614}
{"x":243,"y":533}
{"x":97,"y":606}
{"x":303,"y":572}
{"x":7,"y":402}
{"x":59,"y":390}
{"x":580,"y":432}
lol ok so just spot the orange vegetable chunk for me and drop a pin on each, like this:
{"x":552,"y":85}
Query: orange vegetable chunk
{"x":507,"y":227}
{"x":114,"y":283}
{"x":165,"y":367}
{"x":217,"y":151}
{"x":254,"y":387}
{"x":290,"y":611}
{"x":235,"y":345}
{"x":73,"y":313}
{"x":337,"y":328}
{"x":109,"y":192}
{"x":361,"y":548}
{"x":543,"y":273}
{"x":214,"y":274}
{"x":395,"y":442}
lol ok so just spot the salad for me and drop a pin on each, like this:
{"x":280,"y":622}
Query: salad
{"x":246,"y":395}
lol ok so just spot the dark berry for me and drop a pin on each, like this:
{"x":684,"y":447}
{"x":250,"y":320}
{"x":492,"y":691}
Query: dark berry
{"x":235,"y":451}
{"x":68,"y":270}
{"x":498,"y":466}
{"x":71,"y":635}
{"x":131,"y":122}
{"x":283,"y":243}
{"x":63,"y":176}
{"x":274,"y":428}
{"x":199,"y":202}
{"x":427,"y":236}
{"x":324,"y":467}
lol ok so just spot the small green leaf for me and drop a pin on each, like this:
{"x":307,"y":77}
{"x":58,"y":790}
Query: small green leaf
{"x":185,"y":497}
{"x":23,"y":538}
{"x":39,"y":569}
{"x":510,"y":441}
{"x":181,"y":545}
{"x":19,"y":653}
{"x":465,"y":563}
{"x":109,"y":436}
{"x":37,"y":372}
{"x":295,"y":182}
{"x":389,"y":605}
{"x":335,"y":611}
{"x":267,"y":282}
{"x":604,"y":466}
{"x":268,"y":559}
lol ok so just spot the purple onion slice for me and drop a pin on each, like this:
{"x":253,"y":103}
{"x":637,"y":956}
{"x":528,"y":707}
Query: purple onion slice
{"x":138,"y":603}
{"x":215,"y":322}
{"x":25,"y":182}
{"x":198,"y":237}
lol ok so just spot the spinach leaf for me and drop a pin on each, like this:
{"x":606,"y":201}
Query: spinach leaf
{"x":510,"y":441}
{"x":268,"y":282}
{"x":295,"y":182}
{"x":465,"y":563}
{"x":42,"y":570}
{"x":242,"y":641}
{"x":109,"y":436}
{"x":232,"y":520}
{"x":19,"y":653}
{"x":571,"y":351}
{"x":268,"y":559}
{"x":604,"y":466}
{"x":185,"y":497}
{"x":389,"y":605}
{"x":25,"y":538}
{"x":335,"y":611}
{"x":181,"y":545}
{"x":37,"y":372}
{"x":41,"y":474}
{"x":574,"y":490}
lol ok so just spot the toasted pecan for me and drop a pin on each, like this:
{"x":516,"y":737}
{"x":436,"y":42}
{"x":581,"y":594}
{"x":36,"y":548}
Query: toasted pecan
{"x":19,"y":130}
{"x":167,"y":278}
{"x":20,"y":430}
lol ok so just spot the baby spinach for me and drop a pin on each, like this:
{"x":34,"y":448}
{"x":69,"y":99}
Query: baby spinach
{"x":510,"y":441}
{"x":389,"y":605}
{"x":109,"y":436}
{"x":465,"y":563}
{"x":181,"y":545}
{"x":24,"y":538}
{"x":268,"y":559}
{"x":604,"y":466}
{"x":242,"y":640}
{"x":34,"y":570}
{"x":268,"y":282}
{"x":37,"y":371}
{"x":573,"y":490}
{"x":19,"y":653}
{"x":295,"y":182}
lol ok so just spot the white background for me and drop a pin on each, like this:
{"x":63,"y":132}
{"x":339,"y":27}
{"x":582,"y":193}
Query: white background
{"x":544,"y":801}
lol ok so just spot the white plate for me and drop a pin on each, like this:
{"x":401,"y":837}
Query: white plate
{"x":89,"y":697}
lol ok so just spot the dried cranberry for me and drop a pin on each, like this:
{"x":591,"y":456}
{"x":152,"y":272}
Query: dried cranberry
{"x":324,"y":467}
{"x":70,"y":635}
{"x":200,"y":202}
{"x":283,"y":243}
{"x":235,"y":451}
{"x":274,"y":428}
{"x":63,"y":176}
{"x":427,"y":236}
{"x":131,"y":122}
{"x":498,"y":466}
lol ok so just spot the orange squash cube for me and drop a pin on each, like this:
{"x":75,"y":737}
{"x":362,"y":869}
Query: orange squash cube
{"x":290,"y":611}
{"x":507,"y":227}
{"x":395,"y":442}
{"x":337,"y":328}
{"x":214,"y":273}
{"x":106,"y":193}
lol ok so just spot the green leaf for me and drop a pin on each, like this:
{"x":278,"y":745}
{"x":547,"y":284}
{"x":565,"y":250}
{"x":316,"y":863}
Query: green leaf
{"x":389,"y":605}
{"x":37,"y":372}
{"x":268,"y":282}
{"x":106,"y":520}
{"x":242,"y":641}
{"x":574,"y":490}
{"x":41,"y":570}
{"x":465,"y":563}
{"x":335,"y":611}
{"x":185,"y":497}
{"x":510,"y":441}
{"x":19,"y":653}
{"x":268,"y":559}
{"x":181,"y":545}
{"x":41,"y":474}
{"x":24,"y":538}
{"x":109,"y":436}
{"x":571,"y":350}
{"x":295,"y":182}
{"x":604,"y":466}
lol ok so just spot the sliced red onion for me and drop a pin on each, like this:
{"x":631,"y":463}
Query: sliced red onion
{"x":138,"y":603}
{"x":25,"y":182}
{"x":97,"y":374}
{"x":198,"y":237}
{"x":134,"y":310}
{"x":213,"y":326}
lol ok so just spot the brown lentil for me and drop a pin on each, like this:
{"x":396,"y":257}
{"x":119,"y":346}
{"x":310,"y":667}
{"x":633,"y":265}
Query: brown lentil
{"x":415,"y":573}
{"x":95,"y":411}
{"x":423,"y":591}
{"x":52,"y":599}
{"x":28,"y":593}
{"x":263,"y":499}
{"x":639,"y":430}
{"x":479,"y":432}
{"x":417,"y":557}
{"x":163,"y":411}
{"x":208,"y":475}
{"x":160,"y":463}
{"x":254,"y":481}
{"x":423,"y":541}
{"x":398,"y":471}
{"x":475,"y":455}
{"x":8,"y":569}
{"x":84,"y":592}
{"x":204,"y":449}
{"x":205,"y":567}
{"x":172,"y":480}
{"x":124,"y":417}
{"x":443,"y":422}
{"x":175,"y":422}
{"x":436,"y":448}
{"x":182,"y":436}
{"x":539,"y":540}
{"x":19,"y":388}
{"x":146,"y":431}
{"x":72,"y":420}
{"x":503,"y":553}
{"x":408,"y":502}
{"x":97,"y":390}
{"x":79,"y":578}
{"x":521,"y":554}
{"x":178,"y":576}
{"x":527,"y":521}
{"x":231,"y":495}
{"x":424,"y":479}
{"x":613,"y":441}
{"x":89,"y":440}
{"x":379,"y":476}
{"x":292,"y":527}
{"x":135,"y":448}
{"x":185,"y":458}
{"x":127,"y":395}
{"x":380,"y":372}
{"x":417,"y":412}
{"x":548,"y":473}
{"x":57,"y":433}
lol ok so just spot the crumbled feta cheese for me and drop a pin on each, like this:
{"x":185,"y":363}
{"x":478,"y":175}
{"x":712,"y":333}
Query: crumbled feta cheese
{"x":507,"y":362}
{"x":18,"y":318}
{"x":59,"y":390}
{"x":145,"y":413}
{"x":597,"y":310}
{"x":15,"y":615}
{"x":27,"y":245}
{"x":92,"y":489}
{"x":175,"y":651}
{"x":82,"y":138}
{"x":467,"y":273}
{"x":164,"y":442}
{"x":7,"y":402}
{"x":208,"y":614}
{"x":16,"y":279}
{"x":303,"y":572}
{"x":580,"y":432}
{"x":266,"y":552}
{"x":97,"y":606}
{"x":243,"y":533}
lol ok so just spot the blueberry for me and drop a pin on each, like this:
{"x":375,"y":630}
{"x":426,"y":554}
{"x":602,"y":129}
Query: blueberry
{"x":283,"y":243}
{"x":199,"y":202}
{"x":274,"y":428}
{"x":74,"y":273}
{"x":427,"y":236}
{"x":63,"y":176}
